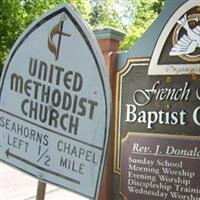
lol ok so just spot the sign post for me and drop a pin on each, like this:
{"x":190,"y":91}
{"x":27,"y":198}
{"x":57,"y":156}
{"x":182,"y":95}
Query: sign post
{"x":41,"y":187}
{"x":55,"y":103}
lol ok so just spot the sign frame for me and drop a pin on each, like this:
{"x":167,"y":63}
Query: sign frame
{"x":157,"y":136}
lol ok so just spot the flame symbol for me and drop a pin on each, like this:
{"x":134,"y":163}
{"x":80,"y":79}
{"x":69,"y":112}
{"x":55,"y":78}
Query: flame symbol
{"x":57,"y":30}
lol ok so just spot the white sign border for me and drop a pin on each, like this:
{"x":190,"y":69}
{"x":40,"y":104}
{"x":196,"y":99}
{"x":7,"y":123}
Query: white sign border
{"x":93,"y":46}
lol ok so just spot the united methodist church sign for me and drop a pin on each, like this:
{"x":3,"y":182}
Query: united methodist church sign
{"x":157,"y":147}
{"x":55,"y":103}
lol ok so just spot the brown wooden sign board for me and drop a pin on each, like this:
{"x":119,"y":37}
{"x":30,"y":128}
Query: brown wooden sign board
{"x":155,"y":104}
{"x":159,"y":167}
{"x":167,"y":110}
{"x":158,"y":115}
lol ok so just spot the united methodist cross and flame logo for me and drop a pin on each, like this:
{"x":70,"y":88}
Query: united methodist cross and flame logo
{"x":186,"y":38}
{"x":57,"y":30}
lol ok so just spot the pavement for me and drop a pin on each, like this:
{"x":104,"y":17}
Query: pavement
{"x":15,"y":185}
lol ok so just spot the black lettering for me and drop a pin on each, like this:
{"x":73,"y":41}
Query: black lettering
{"x":33,"y":110}
{"x":67,"y":101}
{"x":58,"y":145}
{"x":48,"y":158}
{"x":42,"y":73}
{"x":73,"y":124}
{"x":88,"y":156}
{"x":81,"y":152}
{"x":68,"y":79}
{"x":45,"y":93}
{"x":74,"y":104}
{"x":32,"y":67}
{"x":27,"y":87}
{"x":92,"y":104}
{"x":51,"y":73}
{"x":13,"y":127}
{"x":46,"y":142}
{"x":26,"y":132}
{"x":9,"y":143}
{"x":78,"y":82}
{"x":56,"y":98}
{"x":32,"y":135}
{"x":67,"y":147}
{"x":43,"y":111}
{"x":36,"y":88}
{"x":2,"y":121}
{"x":16,"y":83}
{"x":20,"y":129}
{"x":53,"y":118}
{"x":7,"y":124}
{"x":24,"y":102}
{"x":59,"y":70}
{"x":63,"y":162}
{"x":39,"y":137}
{"x":63,"y":117}
{"x":82,"y":111}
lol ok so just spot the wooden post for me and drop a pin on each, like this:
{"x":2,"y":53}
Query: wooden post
{"x":109,"y":40}
{"x":41,"y":188}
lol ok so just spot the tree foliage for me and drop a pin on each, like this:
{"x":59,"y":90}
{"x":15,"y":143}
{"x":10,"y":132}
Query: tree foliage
{"x":16,"y":15}
{"x":35,"y":8}
{"x":12,"y":21}
{"x":130,"y":16}
{"x":104,"y":14}
{"x":114,"y":13}
{"x":146,"y":12}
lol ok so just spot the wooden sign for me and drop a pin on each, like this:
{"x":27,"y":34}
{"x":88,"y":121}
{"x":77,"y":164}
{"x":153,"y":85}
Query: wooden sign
{"x":156,"y":104}
{"x":159,"y":167}
{"x":55,"y":103}
{"x":157,"y":142}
